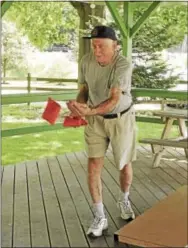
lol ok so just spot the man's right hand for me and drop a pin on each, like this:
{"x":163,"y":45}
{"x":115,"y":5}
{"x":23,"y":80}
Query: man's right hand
{"x":73,"y":107}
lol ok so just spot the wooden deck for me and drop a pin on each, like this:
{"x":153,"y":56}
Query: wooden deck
{"x":46,"y":203}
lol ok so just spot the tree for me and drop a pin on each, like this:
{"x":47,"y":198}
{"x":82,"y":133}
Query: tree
{"x":164,"y":29}
{"x":45,"y":23}
{"x":88,"y":17}
{"x":14,"y":47}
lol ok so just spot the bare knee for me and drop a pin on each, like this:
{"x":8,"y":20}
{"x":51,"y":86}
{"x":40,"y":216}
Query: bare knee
{"x":126,"y":174}
{"x":127,"y":169}
{"x":95,"y":166}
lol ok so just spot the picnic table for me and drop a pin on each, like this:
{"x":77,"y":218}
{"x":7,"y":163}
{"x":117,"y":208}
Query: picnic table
{"x":158,"y":145}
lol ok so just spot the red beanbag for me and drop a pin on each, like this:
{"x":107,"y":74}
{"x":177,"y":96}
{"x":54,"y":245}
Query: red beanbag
{"x":51,"y":111}
{"x":74,"y":122}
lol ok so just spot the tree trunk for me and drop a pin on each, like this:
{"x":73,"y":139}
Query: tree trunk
{"x":85,"y":12}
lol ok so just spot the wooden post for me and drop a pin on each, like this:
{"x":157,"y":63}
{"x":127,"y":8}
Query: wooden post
{"x":128,"y":19}
{"x":85,"y":12}
{"x":28,"y":85}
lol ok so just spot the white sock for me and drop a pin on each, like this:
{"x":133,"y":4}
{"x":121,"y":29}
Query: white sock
{"x":124,"y":196}
{"x":99,"y":209}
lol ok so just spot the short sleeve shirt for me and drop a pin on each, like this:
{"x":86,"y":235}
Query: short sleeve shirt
{"x":100,"y":79}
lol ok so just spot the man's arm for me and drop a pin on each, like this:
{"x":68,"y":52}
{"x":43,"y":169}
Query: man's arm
{"x":108,"y":105}
{"x":82,"y":96}
{"x":105,"y":107}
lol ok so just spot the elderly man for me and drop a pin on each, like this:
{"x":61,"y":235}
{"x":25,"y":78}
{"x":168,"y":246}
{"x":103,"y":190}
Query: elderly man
{"x":105,"y":101}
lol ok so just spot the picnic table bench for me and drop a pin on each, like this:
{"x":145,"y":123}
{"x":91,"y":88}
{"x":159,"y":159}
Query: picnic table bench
{"x":158,"y":145}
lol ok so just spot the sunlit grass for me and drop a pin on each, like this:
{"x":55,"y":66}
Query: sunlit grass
{"x":17,"y":149}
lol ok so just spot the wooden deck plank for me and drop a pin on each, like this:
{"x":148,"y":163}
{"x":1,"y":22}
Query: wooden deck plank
{"x":58,"y":193}
{"x":73,"y":228}
{"x":149,"y":184}
{"x":21,"y":237}
{"x":39,"y":228}
{"x":7,"y":221}
{"x":169,"y":166}
{"x":81,"y":175}
{"x":181,"y":160}
{"x":160,"y":172}
{"x":181,"y":151}
{"x":171,"y":162}
{"x":55,"y":222}
{"x":79,"y":199}
{"x":151,"y":173}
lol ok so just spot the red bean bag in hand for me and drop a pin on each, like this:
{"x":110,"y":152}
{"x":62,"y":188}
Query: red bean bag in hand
{"x":74,"y":122}
{"x":51,"y":111}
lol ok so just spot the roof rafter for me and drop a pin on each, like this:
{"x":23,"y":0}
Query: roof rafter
{"x":144,"y":17}
{"x":118,"y":19}
{"x":5,"y":5}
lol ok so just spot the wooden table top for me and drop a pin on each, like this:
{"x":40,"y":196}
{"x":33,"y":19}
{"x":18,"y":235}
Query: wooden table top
{"x":171,"y":114}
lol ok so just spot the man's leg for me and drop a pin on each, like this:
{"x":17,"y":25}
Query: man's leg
{"x":126,"y":177}
{"x":100,"y":223}
{"x":94,"y":178}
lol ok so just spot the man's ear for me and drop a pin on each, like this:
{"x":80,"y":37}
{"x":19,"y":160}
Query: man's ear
{"x":115,"y":45}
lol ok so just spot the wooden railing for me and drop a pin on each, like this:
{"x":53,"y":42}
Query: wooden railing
{"x":29,"y":80}
{"x":71,"y":94}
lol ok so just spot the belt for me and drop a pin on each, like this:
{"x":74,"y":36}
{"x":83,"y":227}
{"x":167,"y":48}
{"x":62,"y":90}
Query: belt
{"x":112,"y":116}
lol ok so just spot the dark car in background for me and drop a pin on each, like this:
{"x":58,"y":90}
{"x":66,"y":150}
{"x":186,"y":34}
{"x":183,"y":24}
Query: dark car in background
{"x":58,"y":48}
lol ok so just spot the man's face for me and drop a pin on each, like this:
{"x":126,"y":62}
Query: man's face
{"x":104,"y":50}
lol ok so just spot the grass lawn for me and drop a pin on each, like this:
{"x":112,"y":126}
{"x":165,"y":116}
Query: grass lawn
{"x":34,"y":146}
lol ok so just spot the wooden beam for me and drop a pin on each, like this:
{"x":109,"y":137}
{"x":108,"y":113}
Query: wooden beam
{"x":144,"y":17}
{"x":31,"y":129}
{"x":128,"y":20}
{"x":92,"y":2}
{"x":71,"y":94}
{"x":160,"y":93}
{"x":5,"y":5}
{"x":38,"y":97}
{"x":117,"y":18}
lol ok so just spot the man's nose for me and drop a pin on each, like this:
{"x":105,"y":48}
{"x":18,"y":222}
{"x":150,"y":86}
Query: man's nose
{"x":97,"y":51}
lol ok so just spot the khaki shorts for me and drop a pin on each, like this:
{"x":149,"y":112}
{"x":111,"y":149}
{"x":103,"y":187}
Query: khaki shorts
{"x":120,"y":132}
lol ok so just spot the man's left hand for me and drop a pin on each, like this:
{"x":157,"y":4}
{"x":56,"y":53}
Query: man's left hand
{"x":80,"y":109}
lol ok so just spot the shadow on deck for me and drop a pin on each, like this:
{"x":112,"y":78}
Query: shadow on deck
{"x":46,"y":203}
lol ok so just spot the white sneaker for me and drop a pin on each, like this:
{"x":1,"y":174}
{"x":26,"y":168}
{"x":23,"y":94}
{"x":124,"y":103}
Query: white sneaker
{"x":98,"y":226}
{"x":126,"y":210}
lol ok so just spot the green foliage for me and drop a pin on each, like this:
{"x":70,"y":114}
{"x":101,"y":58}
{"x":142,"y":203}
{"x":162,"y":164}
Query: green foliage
{"x":165,"y":28}
{"x":15,"y":47}
{"x":151,"y":71}
{"x":45,"y":23}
